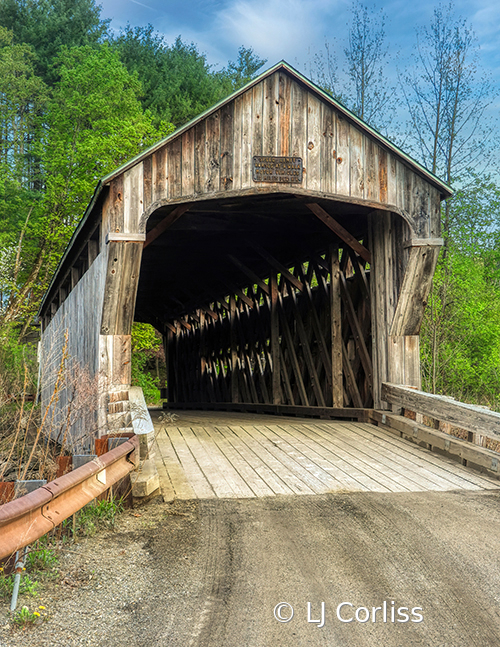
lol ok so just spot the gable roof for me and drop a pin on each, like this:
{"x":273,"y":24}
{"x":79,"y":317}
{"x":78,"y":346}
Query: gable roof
{"x":442,"y":187}
{"x":445,"y":190}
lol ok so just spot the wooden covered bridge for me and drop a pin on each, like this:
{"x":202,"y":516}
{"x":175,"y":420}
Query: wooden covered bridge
{"x":282,"y":247}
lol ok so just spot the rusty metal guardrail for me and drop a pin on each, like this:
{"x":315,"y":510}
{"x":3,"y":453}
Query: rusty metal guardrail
{"x":28,"y":518}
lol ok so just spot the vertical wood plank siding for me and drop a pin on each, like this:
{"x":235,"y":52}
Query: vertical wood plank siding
{"x":78,"y":320}
{"x":278,"y":116}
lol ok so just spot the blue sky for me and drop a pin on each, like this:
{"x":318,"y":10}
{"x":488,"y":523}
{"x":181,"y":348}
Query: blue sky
{"x":294,"y":29}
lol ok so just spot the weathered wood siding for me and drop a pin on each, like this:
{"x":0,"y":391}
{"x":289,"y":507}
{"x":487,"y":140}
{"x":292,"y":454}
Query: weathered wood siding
{"x":279,"y":117}
{"x":395,"y":346}
{"x":70,"y":361}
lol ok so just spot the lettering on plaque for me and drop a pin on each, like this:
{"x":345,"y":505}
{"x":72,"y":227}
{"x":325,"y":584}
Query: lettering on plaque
{"x":276,"y":169}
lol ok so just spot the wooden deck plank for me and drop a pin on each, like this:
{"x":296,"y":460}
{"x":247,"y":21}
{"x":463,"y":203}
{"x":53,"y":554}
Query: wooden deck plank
{"x":370,"y":476}
{"x":247,"y":472}
{"x":433,"y":461}
{"x":440,"y":477}
{"x":166,"y":487}
{"x":206,"y":455}
{"x":286,"y":476}
{"x":418,"y":479}
{"x":340,"y":468}
{"x":173,"y":468}
{"x":193,"y":472}
{"x":375,"y":461}
{"x":230,"y":473}
{"x":313,"y":451}
{"x":299,"y":453}
{"x":284,"y":454}
{"x":260,"y":467}
{"x":216,"y":477}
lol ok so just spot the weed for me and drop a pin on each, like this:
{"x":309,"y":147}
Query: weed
{"x":41,"y":559}
{"x":95,"y":515}
{"x":26,"y":586}
{"x":25,"y":618}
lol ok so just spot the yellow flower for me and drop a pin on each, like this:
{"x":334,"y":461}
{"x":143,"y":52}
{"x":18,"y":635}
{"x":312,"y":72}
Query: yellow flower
{"x":24,"y":568}
{"x":42,"y":608}
{"x":35,"y":613}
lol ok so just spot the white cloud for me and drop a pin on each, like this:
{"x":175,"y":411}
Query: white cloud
{"x":277,"y":29}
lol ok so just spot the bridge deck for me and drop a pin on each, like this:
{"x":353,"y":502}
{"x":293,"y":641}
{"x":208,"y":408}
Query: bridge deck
{"x":227,"y":455}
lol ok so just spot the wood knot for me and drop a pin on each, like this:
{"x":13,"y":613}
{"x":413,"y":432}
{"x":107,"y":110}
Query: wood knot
{"x":310,"y":146}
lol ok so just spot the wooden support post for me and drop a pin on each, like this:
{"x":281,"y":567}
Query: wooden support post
{"x":275,"y":341}
{"x":169,"y":339}
{"x":336,"y":328}
{"x":75,"y":277}
{"x":203,"y":358}
{"x":93,"y":251}
{"x":395,"y":357}
{"x":234,"y":351}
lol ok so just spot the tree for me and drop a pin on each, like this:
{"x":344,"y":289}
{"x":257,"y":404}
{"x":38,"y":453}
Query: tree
{"x":322,"y":68}
{"x":474,"y":217}
{"x":447,"y":100}
{"x":370,"y":96}
{"x":241,"y":71}
{"x":460,"y":339}
{"x":48,"y":25}
{"x":93,"y":122}
{"x":22,"y":98}
{"x":177,"y":81}
{"x":361,"y":84}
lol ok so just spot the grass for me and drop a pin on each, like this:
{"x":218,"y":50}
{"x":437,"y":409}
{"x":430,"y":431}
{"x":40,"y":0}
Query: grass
{"x":27,"y":586}
{"x":95,"y":516}
{"x":41,"y":560}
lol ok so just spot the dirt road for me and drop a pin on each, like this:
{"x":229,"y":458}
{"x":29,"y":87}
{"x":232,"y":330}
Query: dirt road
{"x":211,"y":574}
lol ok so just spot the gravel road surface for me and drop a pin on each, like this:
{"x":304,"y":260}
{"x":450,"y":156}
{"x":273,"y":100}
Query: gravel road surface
{"x":211,"y":574}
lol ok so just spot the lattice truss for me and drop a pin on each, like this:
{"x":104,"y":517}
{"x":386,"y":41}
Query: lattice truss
{"x":275,"y":341}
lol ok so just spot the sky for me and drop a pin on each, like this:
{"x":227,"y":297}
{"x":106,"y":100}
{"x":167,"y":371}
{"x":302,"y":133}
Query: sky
{"x":294,"y":30}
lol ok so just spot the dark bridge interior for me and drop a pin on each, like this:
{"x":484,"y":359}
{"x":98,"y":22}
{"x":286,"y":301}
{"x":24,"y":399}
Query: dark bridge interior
{"x":190,"y":264}
{"x":243,"y":293}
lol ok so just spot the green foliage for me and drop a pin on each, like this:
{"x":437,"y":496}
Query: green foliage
{"x":94,"y":123}
{"x":460,"y":339}
{"x":241,"y":71}
{"x":25,"y":618}
{"x":26,"y":585}
{"x":42,"y":559}
{"x":177,"y":80}
{"x":49,"y":25}
{"x":474,"y":216}
{"x":145,"y":337}
{"x":146,"y":353}
{"x":97,"y":515}
{"x":18,"y":366}
{"x":22,"y":97}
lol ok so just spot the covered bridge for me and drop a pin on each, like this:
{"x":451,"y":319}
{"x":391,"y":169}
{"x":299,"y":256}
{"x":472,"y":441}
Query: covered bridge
{"x":282,"y":247}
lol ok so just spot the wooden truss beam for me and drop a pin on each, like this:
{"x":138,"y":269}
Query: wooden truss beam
{"x":415,"y":290}
{"x":251,"y":275}
{"x":342,"y":233}
{"x":164,"y":224}
{"x":279,"y":267}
